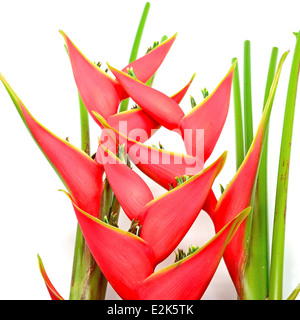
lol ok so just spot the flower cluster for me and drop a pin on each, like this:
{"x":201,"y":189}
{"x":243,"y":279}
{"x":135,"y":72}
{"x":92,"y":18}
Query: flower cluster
{"x":128,"y":258}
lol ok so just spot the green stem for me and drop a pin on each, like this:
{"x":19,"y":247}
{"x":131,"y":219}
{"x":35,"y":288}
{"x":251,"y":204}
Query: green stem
{"x":135,"y":47}
{"x":277,"y":254}
{"x":294,"y":294}
{"x":248,"y":123}
{"x":87,"y":279}
{"x":239,"y":134}
{"x":106,"y":200}
{"x":115,"y":206}
{"x":85,"y":130}
{"x":258,"y":267}
{"x":260,"y":216}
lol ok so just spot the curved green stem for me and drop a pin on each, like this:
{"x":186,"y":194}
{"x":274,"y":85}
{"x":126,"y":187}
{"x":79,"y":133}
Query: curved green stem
{"x":294,"y":294}
{"x":277,"y":254}
{"x":260,"y":215}
{"x":135,"y":47}
{"x":259,"y":242}
{"x":85,"y":128}
{"x":248,"y":122}
{"x":239,"y":132}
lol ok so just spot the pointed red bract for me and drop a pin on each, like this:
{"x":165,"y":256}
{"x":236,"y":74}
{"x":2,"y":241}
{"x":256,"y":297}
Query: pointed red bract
{"x":158,"y":105}
{"x":236,"y":198}
{"x":177,"y":97}
{"x":210,"y":116}
{"x":97,"y":89}
{"x":145,"y":67}
{"x":189,"y":278}
{"x":130,"y":189}
{"x":125,"y":259}
{"x":238,"y":195}
{"x":81,"y":175}
{"x":52,"y":291}
{"x":162,"y":166}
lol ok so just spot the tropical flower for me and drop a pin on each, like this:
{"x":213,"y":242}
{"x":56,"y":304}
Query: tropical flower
{"x":128,"y":258}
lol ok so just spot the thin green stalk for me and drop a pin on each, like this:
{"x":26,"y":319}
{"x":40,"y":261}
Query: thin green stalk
{"x":258,"y":268}
{"x":106,"y":200}
{"x":115,"y":206}
{"x":135,"y":47}
{"x":248,"y":122}
{"x":294,"y":294}
{"x":239,"y":132}
{"x":88,"y":282}
{"x":85,"y":128}
{"x":277,"y":253}
{"x":260,"y":215}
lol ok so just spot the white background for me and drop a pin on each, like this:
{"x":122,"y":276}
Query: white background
{"x":37,"y":219}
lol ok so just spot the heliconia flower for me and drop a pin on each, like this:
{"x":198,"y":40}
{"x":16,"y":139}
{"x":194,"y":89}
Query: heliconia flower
{"x":100,"y":92}
{"x":81,"y":175}
{"x":52,"y":291}
{"x":127,"y":261}
{"x":159,"y":217}
{"x":238,"y":196}
{"x":209,"y":115}
{"x":136,"y":121}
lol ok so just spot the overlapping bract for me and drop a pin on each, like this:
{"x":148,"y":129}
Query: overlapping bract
{"x":128,"y":261}
{"x":160,"y":217}
{"x":133,"y":259}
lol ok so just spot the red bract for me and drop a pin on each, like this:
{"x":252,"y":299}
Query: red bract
{"x":81,"y":175}
{"x":210,"y":115}
{"x":52,"y":291}
{"x":238,"y":195}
